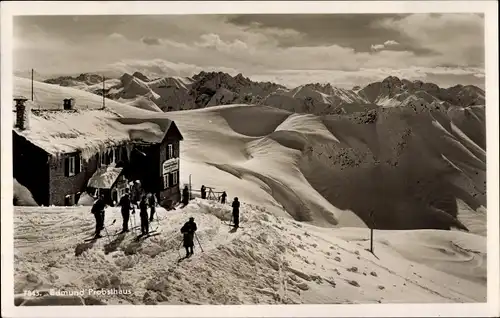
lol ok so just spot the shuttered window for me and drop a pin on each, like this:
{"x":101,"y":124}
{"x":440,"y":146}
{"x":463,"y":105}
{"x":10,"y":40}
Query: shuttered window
{"x":175,"y":177}
{"x":166,"y":181}
{"x":72,"y":165}
{"x":170,"y":153}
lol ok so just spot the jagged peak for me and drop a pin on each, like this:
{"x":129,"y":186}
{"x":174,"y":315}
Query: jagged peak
{"x":141,"y":76}
{"x":392,"y":80}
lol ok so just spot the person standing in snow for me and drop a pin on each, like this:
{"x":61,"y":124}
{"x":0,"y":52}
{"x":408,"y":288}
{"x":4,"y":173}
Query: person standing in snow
{"x":236,"y":212}
{"x":125,"y":209}
{"x":152,"y":206}
{"x":143,"y":206}
{"x":223,"y":197}
{"x":189,"y":230}
{"x":203,"y":192}
{"x":98,"y":211}
{"x":185,"y":195}
{"x":136,"y":192}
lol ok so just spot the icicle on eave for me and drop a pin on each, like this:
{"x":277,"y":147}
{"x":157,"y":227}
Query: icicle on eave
{"x":129,"y":147}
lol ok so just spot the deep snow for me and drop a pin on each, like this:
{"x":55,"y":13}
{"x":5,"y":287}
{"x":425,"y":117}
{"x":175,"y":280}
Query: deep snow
{"x":270,"y":260}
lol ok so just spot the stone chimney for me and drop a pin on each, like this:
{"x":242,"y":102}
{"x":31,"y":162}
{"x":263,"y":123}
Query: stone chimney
{"x":22,"y":113}
{"x":68,"y":103}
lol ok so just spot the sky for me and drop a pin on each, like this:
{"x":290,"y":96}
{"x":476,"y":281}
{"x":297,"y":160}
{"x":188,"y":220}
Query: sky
{"x":345,"y":50}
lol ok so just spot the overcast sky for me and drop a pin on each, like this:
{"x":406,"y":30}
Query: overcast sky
{"x":343,"y":49}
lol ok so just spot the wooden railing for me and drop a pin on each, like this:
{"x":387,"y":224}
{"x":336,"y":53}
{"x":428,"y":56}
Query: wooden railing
{"x":211,"y":194}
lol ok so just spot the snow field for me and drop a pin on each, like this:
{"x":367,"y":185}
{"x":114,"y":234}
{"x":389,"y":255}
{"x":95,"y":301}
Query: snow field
{"x":269,"y":260}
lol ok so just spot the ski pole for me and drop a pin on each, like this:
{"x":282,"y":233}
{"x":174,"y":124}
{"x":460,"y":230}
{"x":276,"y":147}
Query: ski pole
{"x":106,"y":229}
{"x":179,"y":249}
{"x":198,"y":241}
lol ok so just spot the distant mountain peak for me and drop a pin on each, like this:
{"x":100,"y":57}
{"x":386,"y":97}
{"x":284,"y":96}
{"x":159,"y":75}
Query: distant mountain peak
{"x":141,"y":76}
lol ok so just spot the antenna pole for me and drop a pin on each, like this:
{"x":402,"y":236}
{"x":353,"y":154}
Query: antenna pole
{"x":32,"y":85}
{"x":103,"y":97}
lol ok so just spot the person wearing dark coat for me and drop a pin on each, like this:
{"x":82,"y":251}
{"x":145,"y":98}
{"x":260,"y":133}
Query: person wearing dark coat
{"x":152,"y":206}
{"x":98,"y":211}
{"x":185,"y":195}
{"x":203,"y":192}
{"x":236,"y":212}
{"x":136,"y":192}
{"x":126,"y":205}
{"x":189,"y":230}
{"x":143,"y":206}
{"x":223,"y":197}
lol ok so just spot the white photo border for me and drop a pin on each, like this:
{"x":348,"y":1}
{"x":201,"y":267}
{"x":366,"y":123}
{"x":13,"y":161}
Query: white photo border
{"x":490,"y":10}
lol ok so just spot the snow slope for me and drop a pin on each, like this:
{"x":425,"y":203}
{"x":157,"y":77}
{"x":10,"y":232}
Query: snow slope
{"x":270,"y":260}
{"x":49,"y":96}
{"x":294,"y":161}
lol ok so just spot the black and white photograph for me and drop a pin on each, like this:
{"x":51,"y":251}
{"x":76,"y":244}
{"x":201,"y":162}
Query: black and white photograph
{"x":255,"y":158}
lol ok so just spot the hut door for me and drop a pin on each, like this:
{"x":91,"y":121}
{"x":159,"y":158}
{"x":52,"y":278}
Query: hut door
{"x":114,"y":196}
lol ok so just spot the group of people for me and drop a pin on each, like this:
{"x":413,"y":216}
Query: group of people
{"x":127,"y":203}
{"x":203,"y":190}
{"x":144,"y":201}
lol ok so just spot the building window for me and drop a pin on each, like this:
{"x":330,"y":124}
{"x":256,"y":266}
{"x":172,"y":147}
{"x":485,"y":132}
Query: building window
{"x":72,"y":166}
{"x":174,"y":178}
{"x":170,"y":151}
{"x":165,"y":181}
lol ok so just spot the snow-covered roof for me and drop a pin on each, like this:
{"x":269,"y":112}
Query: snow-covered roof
{"x":158,"y":128}
{"x":104,"y":178}
{"x":88,"y":131}
{"x":67,"y":131}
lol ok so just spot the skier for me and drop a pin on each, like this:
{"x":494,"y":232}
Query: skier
{"x":188,"y":230}
{"x":203,"y":192}
{"x":152,"y":205}
{"x":223,"y":197}
{"x":136,"y":192}
{"x":125,"y":209}
{"x":98,"y":211}
{"x":185,"y":195}
{"x":236,"y":212}
{"x":143,"y":205}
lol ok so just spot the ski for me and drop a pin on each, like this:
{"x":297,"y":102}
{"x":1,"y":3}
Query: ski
{"x":239,"y":227}
{"x":93,"y":239}
{"x":150,"y":234}
{"x":184,"y":258}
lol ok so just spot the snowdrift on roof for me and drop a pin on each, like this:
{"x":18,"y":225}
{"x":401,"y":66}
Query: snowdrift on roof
{"x":88,"y":128}
{"x":88,"y":131}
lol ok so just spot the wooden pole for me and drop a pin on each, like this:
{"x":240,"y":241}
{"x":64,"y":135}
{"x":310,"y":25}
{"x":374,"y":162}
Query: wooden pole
{"x":371,"y":232}
{"x":32,"y":93}
{"x":103,"y":97}
{"x":190,"y":196}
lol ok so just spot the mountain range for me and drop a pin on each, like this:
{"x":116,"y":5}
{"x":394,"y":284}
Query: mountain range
{"x":217,"y":88}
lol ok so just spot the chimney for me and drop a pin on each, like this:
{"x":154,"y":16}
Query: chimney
{"x":69,"y":103}
{"x":22,"y":113}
